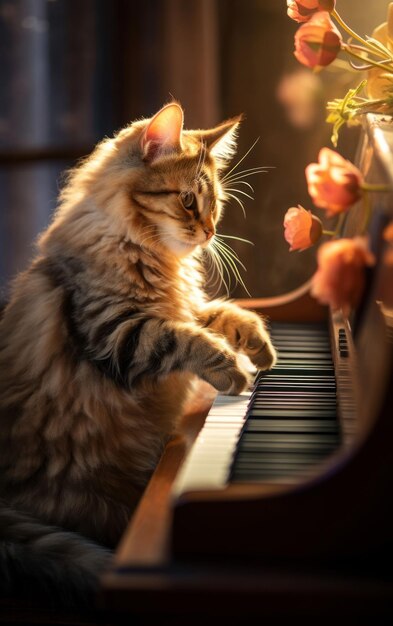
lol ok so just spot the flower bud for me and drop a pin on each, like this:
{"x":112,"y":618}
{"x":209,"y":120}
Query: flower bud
{"x":302,"y":228}
{"x":340,"y":278}
{"x":334,"y":183}
{"x":318,"y":41}
{"x":302,"y":10}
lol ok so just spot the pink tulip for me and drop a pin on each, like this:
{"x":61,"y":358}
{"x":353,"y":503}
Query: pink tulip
{"x":317,"y":42}
{"x":339,"y":280}
{"x":334,"y":183}
{"x":302,"y":10}
{"x":302,"y":228}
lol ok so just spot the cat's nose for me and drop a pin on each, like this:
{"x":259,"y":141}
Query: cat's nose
{"x":209,"y":233}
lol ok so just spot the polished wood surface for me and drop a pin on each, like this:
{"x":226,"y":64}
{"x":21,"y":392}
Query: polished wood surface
{"x":145,"y":541}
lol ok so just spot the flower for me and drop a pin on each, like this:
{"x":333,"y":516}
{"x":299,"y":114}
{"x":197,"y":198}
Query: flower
{"x":388,"y":253}
{"x":302,"y":228}
{"x":339,"y":280}
{"x":302,"y":10}
{"x":300,"y":93}
{"x":317,"y":42}
{"x":388,"y":232}
{"x":334,"y":183}
{"x":380,"y":82}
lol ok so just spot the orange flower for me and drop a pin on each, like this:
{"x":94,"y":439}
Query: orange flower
{"x":302,"y":228}
{"x":334,"y":183}
{"x":388,"y":232}
{"x":379,"y":82}
{"x":388,"y":253}
{"x":302,"y":10}
{"x":317,"y":42}
{"x":339,"y":280}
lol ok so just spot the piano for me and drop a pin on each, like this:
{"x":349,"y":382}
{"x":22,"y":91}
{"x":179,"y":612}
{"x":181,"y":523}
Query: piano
{"x":278,"y":503}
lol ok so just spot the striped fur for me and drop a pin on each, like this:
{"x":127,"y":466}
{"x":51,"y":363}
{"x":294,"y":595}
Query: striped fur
{"x":107,"y":329}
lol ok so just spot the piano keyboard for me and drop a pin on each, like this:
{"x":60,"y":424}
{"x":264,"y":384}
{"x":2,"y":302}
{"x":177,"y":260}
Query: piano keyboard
{"x":280,"y":430}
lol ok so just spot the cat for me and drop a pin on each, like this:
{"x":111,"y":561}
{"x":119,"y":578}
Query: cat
{"x":102,"y":339}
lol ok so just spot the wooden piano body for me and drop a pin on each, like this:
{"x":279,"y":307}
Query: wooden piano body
{"x":313,"y":548}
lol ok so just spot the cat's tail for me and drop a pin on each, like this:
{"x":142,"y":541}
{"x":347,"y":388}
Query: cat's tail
{"x":45,"y":564}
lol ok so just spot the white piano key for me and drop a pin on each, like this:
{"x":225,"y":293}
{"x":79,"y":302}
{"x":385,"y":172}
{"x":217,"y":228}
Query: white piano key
{"x":207,"y":465}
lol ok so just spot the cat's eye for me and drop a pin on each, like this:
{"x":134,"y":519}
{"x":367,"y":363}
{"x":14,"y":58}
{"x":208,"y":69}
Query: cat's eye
{"x":188,"y":200}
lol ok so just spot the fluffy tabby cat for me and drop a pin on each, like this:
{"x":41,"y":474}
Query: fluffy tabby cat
{"x":100,"y":342}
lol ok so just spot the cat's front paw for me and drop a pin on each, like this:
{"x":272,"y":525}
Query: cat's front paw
{"x":253,"y":339}
{"x":230,"y":381}
{"x":227,"y":376}
{"x":259,"y":350}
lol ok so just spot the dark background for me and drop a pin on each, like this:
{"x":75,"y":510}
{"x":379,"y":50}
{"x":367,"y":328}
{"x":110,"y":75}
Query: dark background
{"x":73,"y":71}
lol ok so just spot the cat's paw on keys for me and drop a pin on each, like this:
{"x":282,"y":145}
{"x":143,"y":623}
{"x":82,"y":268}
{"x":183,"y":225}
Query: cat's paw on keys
{"x":256,"y":344}
{"x":245,"y":332}
{"x":261,"y":352}
{"x":229,"y":379}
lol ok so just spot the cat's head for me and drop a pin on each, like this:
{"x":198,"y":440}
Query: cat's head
{"x":161,"y":182}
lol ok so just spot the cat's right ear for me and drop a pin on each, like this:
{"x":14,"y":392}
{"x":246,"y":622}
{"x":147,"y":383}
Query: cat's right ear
{"x":163,"y":132}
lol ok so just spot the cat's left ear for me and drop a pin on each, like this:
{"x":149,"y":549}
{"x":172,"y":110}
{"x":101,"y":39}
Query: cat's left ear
{"x":221,"y":140}
{"x":163,"y":132}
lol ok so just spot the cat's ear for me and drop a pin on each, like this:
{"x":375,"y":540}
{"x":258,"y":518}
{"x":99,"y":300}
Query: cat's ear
{"x":163,"y":132}
{"x":221,"y":140}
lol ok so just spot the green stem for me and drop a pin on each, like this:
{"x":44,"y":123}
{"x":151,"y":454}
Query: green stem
{"x":375,"y":187}
{"x":372,"y":103}
{"x":352,"y":33}
{"x":347,"y":48}
{"x":332,"y":233}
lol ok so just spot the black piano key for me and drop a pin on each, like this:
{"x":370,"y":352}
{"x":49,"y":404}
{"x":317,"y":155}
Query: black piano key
{"x":290,"y":412}
{"x":297,"y":395}
{"x":310,"y":357}
{"x":289,"y":388}
{"x":291,"y":420}
{"x":280,"y":460}
{"x":290,"y":398}
{"x":254,"y":463}
{"x":291,"y":425}
{"x":305,"y":444}
{"x":283,"y":475}
{"x":293,"y":404}
{"x":274,"y":459}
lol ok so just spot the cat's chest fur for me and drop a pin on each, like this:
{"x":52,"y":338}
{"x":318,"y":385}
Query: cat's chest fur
{"x":168,"y":288}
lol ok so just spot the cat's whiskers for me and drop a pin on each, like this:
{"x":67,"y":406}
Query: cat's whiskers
{"x":243,"y":193}
{"x":201,"y":160}
{"x":230,"y":251}
{"x":237,"y":178}
{"x":230,"y":260}
{"x":221,"y":267}
{"x":231,"y":195}
{"x":240,"y":160}
{"x":213,"y":272}
{"x":241,"y":182}
{"x":226,"y":261}
{"x":235,"y":237}
{"x":245,"y":173}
